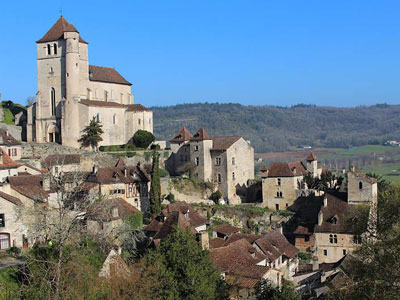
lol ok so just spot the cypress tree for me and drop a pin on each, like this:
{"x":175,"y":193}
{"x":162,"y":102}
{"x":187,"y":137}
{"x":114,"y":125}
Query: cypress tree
{"x":92,"y":134}
{"x":155,"y":186}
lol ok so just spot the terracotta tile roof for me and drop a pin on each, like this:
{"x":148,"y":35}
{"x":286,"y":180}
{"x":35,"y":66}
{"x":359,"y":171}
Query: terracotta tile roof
{"x":243,"y":282}
{"x":216,"y":242}
{"x":284,"y":169}
{"x":226,"y":229}
{"x":251,"y":238}
{"x":224,"y":142}
{"x":275,"y":244}
{"x":182,"y":135}
{"x":337,"y":208}
{"x":57,"y":31}
{"x":62,"y":159}
{"x":127,"y":107}
{"x":7,"y":139}
{"x":6,"y":161}
{"x":103,"y":211}
{"x":10,"y":198}
{"x":30,"y":186}
{"x":118,"y":175}
{"x":226,"y":257}
{"x":200,"y":135}
{"x":193,"y":216}
{"x":103,"y":74}
{"x":154,"y":226}
{"x":311,"y":157}
{"x":174,"y":219}
{"x":250,"y":271}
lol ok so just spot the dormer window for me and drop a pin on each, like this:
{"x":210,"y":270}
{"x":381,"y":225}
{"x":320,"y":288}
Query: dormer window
{"x":334,"y":220}
{"x":115,"y":175}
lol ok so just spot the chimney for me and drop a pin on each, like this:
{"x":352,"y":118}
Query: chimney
{"x":325,"y":201}
{"x":46,"y":182}
{"x":95,"y":169}
{"x":320,"y":218}
{"x":204,"y":240}
{"x":315,"y":264}
{"x":126,"y":172}
{"x":352,"y":168}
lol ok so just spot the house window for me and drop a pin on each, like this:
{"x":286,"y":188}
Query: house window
{"x":48,"y":49}
{"x":197,"y":161}
{"x":278,"y":181}
{"x":334,"y":220}
{"x":105,"y":95}
{"x":344,"y":252}
{"x":233,"y":175}
{"x":98,"y":117}
{"x":115,"y":213}
{"x":4,"y":241}
{"x":306,"y":238}
{"x":114,"y":119}
{"x":219,"y":177}
{"x":51,"y":71}
{"x":196,"y":148}
{"x":2,"y":221}
{"x":325,"y":252}
{"x":333,"y":238}
{"x":53,"y":101}
{"x":360,"y":185}
{"x":139,"y":121}
{"x":55,"y":48}
{"x":56,"y":170}
{"x":218,"y":161}
{"x":357,"y":239}
{"x":276,"y":206}
{"x":233,"y":161}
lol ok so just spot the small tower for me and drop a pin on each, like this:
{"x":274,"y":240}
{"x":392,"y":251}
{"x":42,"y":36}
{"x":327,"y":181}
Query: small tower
{"x":200,"y":146}
{"x":312,"y":164}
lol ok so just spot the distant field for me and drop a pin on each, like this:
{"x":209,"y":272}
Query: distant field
{"x":390,"y":172}
{"x":328,"y":153}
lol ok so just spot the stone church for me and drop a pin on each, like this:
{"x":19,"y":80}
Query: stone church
{"x":71,"y":92}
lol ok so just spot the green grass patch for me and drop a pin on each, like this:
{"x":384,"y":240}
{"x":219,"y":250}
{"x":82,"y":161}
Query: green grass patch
{"x":8,"y":117}
{"x":389,"y":172}
{"x":353,"y":151}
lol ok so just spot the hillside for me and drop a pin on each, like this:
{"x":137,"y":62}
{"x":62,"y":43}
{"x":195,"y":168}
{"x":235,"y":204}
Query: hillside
{"x":272,"y":128}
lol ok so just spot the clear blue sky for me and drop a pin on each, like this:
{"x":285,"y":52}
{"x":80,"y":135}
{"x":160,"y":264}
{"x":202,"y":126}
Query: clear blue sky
{"x":340,"y":53}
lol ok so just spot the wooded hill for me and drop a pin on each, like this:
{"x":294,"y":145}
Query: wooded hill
{"x":273,"y":128}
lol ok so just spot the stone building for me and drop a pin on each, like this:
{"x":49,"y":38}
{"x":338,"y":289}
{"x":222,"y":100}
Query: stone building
{"x":283,"y":182}
{"x":226,"y":161}
{"x":10,"y":145}
{"x":126,"y":182}
{"x":362,"y":189}
{"x":71,"y":92}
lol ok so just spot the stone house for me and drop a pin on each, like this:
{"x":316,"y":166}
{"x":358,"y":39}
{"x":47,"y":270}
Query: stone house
{"x":243,"y":266}
{"x":114,"y":265}
{"x":10,"y":145}
{"x":13,"y":233}
{"x":224,"y":231}
{"x":178,"y":214}
{"x":228,"y":162}
{"x":62,"y":163}
{"x":126,"y":182}
{"x":104,"y":218}
{"x":332,"y":238}
{"x":71,"y":92}
{"x":8,"y":167}
{"x":362,"y":189}
{"x":283,"y":182}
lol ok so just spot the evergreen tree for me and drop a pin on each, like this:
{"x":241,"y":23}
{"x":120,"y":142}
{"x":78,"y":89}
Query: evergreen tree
{"x":92,"y":134}
{"x":185,"y":270}
{"x":155,"y":186}
{"x":265,"y":291}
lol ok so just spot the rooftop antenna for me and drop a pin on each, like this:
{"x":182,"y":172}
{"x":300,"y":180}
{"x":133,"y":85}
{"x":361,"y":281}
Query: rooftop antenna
{"x":61,"y":12}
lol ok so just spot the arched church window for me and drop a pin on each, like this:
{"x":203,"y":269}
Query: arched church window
{"x":98,"y":117}
{"x":360,"y":185}
{"x":51,"y":71}
{"x":53,"y":101}
{"x":55,"y":48}
{"x":48,"y":49}
{"x":114,"y":119}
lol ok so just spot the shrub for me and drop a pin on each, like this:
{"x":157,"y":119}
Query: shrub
{"x":163,"y":172}
{"x":171,"y":198}
{"x":155,"y":147}
{"x":135,"y":221}
{"x":216,"y":196}
{"x":143,"y":138}
{"x":147,"y":156}
{"x":304,"y":256}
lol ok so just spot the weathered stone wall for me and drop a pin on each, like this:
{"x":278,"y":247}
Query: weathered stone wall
{"x":361,"y":189}
{"x":334,"y":250}
{"x":288,"y":186}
